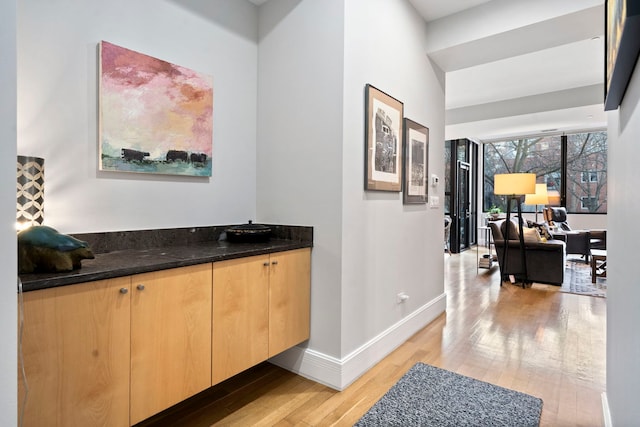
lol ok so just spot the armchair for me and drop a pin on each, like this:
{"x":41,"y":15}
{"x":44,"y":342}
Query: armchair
{"x":578,"y":241}
{"x":545,"y":260}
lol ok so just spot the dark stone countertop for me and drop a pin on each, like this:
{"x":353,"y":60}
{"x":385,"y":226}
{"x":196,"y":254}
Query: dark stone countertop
{"x":142,"y":259}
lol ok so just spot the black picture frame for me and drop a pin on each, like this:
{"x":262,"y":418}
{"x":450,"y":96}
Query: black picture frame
{"x":383,"y":141}
{"x":416,"y":163}
{"x":622,"y":45}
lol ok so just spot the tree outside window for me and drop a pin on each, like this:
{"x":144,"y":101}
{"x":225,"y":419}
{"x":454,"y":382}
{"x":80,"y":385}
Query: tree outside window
{"x":587,"y":155}
{"x":584,"y":156}
{"x":541,"y":155}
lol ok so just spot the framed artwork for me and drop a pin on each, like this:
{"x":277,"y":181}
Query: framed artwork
{"x":383,"y":141}
{"x":416,"y":161}
{"x":154,"y":116}
{"x":622,"y":45}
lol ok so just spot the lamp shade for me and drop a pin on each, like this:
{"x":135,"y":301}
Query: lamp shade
{"x":30,"y":191}
{"x":514,"y":184}
{"x":539,"y":198}
{"x":554,"y":197}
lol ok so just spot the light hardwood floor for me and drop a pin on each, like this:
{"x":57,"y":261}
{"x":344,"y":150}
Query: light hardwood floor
{"x":537,"y":340}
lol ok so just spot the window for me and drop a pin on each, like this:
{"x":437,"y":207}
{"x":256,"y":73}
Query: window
{"x":589,"y":177}
{"x":540,"y":155}
{"x":574,"y":167}
{"x":586,"y":172}
{"x":587,"y":202}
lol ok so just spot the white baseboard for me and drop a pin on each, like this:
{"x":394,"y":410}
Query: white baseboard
{"x":340,"y":373}
{"x":606,"y":414}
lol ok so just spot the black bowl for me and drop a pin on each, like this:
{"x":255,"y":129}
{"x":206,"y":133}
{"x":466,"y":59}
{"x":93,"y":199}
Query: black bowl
{"x":248,"y":233}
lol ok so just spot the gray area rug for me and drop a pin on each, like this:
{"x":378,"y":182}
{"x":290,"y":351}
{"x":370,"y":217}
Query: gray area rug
{"x":433,"y":397}
{"x":577,"y":280}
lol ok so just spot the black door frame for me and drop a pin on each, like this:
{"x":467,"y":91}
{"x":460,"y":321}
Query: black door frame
{"x":469,"y":150}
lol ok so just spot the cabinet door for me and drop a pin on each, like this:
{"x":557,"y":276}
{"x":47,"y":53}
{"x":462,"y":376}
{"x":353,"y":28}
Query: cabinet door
{"x":75,"y":345}
{"x":289,"y":299}
{"x":240,"y":317}
{"x":170,"y":338}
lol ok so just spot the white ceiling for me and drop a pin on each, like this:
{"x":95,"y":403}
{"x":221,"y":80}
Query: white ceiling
{"x":564,"y":67}
{"x":544,"y":72}
{"x":435,"y":9}
{"x":430,"y":9}
{"x":517,"y":67}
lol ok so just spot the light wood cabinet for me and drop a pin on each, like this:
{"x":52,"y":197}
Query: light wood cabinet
{"x":75,"y":345}
{"x":170,"y":338}
{"x":289,"y":299}
{"x":115,"y":352}
{"x":261,"y":307}
{"x":240,"y":315}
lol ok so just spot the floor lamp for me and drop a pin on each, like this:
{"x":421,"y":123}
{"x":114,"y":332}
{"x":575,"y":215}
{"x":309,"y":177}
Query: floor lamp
{"x":514,"y":186}
{"x":541,"y":197}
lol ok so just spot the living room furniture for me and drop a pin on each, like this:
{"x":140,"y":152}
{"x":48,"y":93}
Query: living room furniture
{"x":598,"y":239}
{"x":515,"y":186}
{"x":447,"y":232}
{"x":578,"y":241}
{"x":540,"y":197}
{"x":598,"y":264}
{"x":544,"y":260}
{"x":486,"y":260}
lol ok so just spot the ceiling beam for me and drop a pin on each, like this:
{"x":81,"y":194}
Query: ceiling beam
{"x":542,"y":35}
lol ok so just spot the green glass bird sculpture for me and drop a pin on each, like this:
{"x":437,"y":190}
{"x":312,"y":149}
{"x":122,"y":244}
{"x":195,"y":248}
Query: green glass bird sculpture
{"x":41,"y":249}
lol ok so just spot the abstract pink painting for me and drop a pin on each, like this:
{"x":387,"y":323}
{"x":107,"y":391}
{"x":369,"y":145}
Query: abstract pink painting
{"x":155,"y":117}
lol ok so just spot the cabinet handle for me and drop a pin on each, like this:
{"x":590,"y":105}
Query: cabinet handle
{"x":140,"y":287}
{"x":124,"y":290}
{"x":274,"y":262}
{"x":266,"y":264}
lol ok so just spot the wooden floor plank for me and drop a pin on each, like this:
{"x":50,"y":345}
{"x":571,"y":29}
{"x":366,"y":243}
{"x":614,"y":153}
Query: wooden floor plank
{"x":536,"y":340}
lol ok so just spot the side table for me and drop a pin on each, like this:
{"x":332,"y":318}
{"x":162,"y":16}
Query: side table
{"x":598,"y":264}
{"x":487,"y":259}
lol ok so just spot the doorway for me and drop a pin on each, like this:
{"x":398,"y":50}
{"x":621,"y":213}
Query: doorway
{"x":461,"y":192}
{"x":463,"y":206}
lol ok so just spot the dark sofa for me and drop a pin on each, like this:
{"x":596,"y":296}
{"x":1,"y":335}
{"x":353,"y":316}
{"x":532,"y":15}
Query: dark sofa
{"x":545,"y":260}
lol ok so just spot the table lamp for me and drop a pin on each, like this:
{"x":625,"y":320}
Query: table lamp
{"x":540,"y":197}
{"x":29,"y":192}
{"x":514,"y":186}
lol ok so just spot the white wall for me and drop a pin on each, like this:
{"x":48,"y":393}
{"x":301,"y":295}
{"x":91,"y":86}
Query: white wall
{"x":623,"y":294}
{"x":299,"y":141}
{"x":57,"y":109}
{"x":315,"y":58}
{"x":388,"y":247}
{"x":300,"y":89}
{"x":8,"y":259}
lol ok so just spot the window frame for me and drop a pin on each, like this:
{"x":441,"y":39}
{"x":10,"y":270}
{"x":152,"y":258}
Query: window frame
{"x":593,"y":175}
